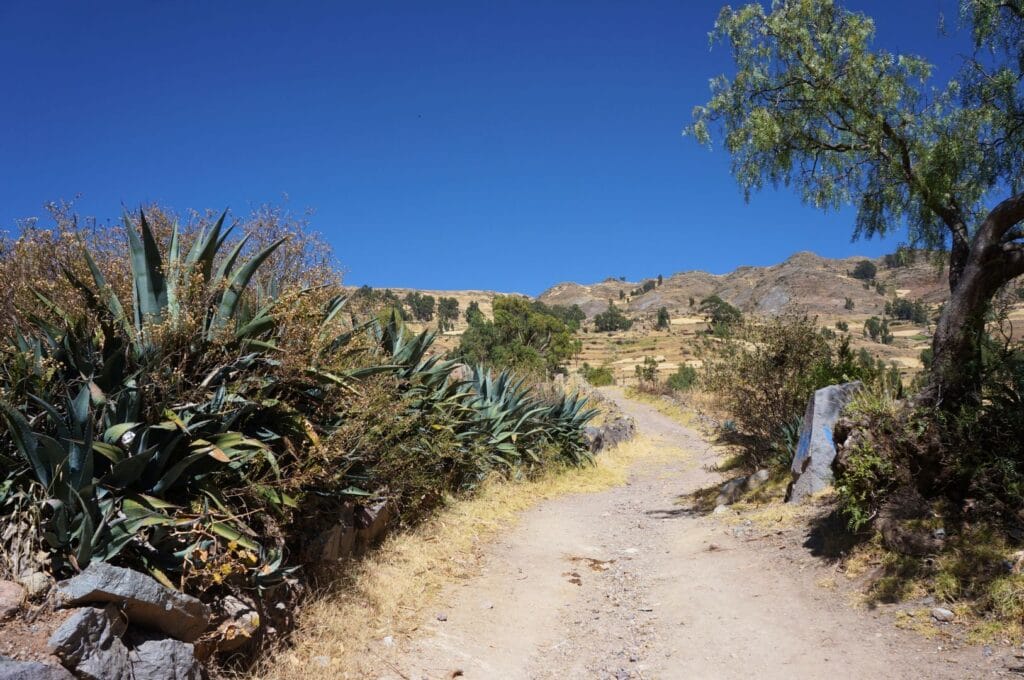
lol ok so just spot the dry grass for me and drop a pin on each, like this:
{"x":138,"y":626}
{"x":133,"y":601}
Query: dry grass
{"x":386,"y":593}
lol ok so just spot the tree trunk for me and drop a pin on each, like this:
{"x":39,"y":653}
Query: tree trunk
{"x":995,"y":258}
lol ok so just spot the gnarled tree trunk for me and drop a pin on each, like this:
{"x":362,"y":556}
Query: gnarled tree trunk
{"x":995,"y":257}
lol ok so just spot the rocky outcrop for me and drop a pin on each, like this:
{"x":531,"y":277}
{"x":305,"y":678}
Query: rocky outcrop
{"x":165,"y":660}
{"x":89,"y":644}
{"x":10,"y":669}
{"x":816,"y":450}
{"x":144,"y":601}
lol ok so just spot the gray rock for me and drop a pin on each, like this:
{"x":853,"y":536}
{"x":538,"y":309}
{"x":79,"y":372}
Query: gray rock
{"x":614,"y":432}
{"x":146,"y":602}
{"x":816,"y":450}
{"x":730,"y":492}
{"x":165,"y":660}
{"x":11,"y":598}
{"x":241,"y":624}
{"x":36,"y":583}
{"x":757,"y":480}
{"x":31,"y":670}
{"x":89,"y":644}
{"x":943,"y":614}
{"x":371,"y":522}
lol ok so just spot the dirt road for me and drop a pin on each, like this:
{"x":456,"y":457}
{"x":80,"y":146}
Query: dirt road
{"x":628,"y":583}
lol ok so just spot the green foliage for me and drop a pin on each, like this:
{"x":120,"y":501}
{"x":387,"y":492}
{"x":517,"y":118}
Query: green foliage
{"x":878,"y":330}
{"x":598,"y":376}
{"x":664,"y":319}
{"x":719,"y":314}
{"x":473,"y":313}
{"x":447,"y":313}
{"x":867,"y":476}
{"x":865,"y":270}
{"x":661,"y":280}
{"x":848,"y":305}
{"x":647,"y":372}
{"x":842,"y":326}
{"x":421,"y":306}
{"x":903,"y":257}
{"x":683,"y":379}
{"x":907,"y":310}
{"x":612,"y":320}
{"x":523,"y":337}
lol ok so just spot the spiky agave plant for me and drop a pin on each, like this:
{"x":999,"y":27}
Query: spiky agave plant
{"x":123,"y":458}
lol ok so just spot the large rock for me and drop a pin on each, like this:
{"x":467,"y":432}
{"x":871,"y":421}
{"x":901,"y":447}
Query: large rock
{"x":89,"y":644}
{"x":612,"y":433}
{"x":165,"y":660}
{"x":31,"y":670}
{"x":812,"y":464}
{"x":12,"y":596}
{"x":146,"y":602}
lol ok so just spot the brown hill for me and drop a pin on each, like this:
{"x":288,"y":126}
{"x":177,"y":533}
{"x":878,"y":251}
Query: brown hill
{"x":803,"y":283}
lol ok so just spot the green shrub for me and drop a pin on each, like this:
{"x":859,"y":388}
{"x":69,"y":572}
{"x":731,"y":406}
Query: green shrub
{"x":683,"y":379}
{"x":612,"y":320}
{"x":598,"y":376}
{"x":664,"y":319}
{"x":865,"y":270}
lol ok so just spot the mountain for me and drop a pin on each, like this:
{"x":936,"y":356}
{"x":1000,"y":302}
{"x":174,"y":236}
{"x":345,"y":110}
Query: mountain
{"x":805,"y":282}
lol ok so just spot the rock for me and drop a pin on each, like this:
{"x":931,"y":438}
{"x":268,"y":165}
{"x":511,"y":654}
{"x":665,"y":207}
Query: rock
{"x":730,"y":492}
{"x":816,"y":450}
{"x":757,"y":480}
{"x":89,"y":644}
{"x":442,"y":616}
{"x":36,"y":583}
{"x":371,"y":521}
{"x":12,"y":596}
{"x":721,"y":509}
{"x":337,"y":542}
{"x":241,"y":623}
{"x":942,"y":614}
{"x":614,"y":432}
{"x":144,"y":601}
{"x":31,"y":670}
{"x":165,"y":659}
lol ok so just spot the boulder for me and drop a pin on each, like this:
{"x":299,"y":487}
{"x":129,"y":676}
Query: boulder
{"x":816,"y":450}
{"x":165,"y":659}
{"x":145,"y":601}
{"x":731,"y":491}
{"x":31,"y":670}
{"x":371,"y":521}
{"x":12,"y":596}
{"x":612,"y":433}
{"x":89,"y":644}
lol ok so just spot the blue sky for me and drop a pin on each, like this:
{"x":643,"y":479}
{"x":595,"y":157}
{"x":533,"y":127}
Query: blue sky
{"x":492,"y":145}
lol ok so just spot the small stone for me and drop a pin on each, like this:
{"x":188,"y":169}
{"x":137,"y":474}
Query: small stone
{"x":441,"y":616}
{"x":12,"y":596}
{"x":487,"y":605}
{"x":322,"y":661}
{"x":942,"y":614}
{"x":36,"y":583}
{"x":389,"y":641}
{"x":721,"y":509}
{"x":986,"y":650}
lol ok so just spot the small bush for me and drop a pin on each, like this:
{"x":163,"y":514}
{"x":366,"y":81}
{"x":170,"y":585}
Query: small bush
{"x":612,"y":319}
{"x":598,"y":376}
{"x":865,"y":270}
{"x":683,"y":379}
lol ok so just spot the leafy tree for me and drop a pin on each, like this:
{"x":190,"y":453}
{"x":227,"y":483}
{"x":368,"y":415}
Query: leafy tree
{"x":865,"y":270}
{"x":572,"y":316}
{"x":520,"y":337}
{"x":683,"y":379}
{"x":598,"y":376}
{"x":661,"y":280}
{"x":612,"y":320}
{"x":473,"y":312}
{"x":622,"y":295}
{"x":848,"y":305}
{"x":647,"y":372}
{"x":815,"y":105}
{"x":421,"y":306}
{"x":878,"y":330}
{"x":719,"y":313}
{"x":907,"y":310}
{"x":664,"y":320}
{"x":648,"y":286}
{"x":447,"y":313}
{"x":842,"y":326}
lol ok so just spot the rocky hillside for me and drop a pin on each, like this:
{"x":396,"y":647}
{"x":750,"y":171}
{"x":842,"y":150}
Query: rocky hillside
{"x":803,"y":283}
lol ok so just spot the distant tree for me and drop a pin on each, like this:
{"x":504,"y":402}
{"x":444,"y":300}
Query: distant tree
{"x":572,"y":316}
{"x":878,"y":330}
{"x":664,"y":320}
{"x":447,"y":313}
{"x":612,"y":320}
{"x":813,"y":104}
{"x":718,"y":313}
{"x":648,"y":286}
{"x":865,"y":270}
{"x":473,"y":312}
{"x":622,"y":295}
{"x":421,"y":306}
{"x":647,"y":372}
{"x":843,"y":326}
{"x":907,"y":310}
{"x":692,"y":301}
{"x":903,"y":257}
{"x":683,"y":379}
{"x":660,"y":280}
{"x":848,"y":305}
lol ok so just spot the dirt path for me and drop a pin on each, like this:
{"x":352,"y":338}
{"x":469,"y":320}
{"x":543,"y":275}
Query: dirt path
{"x":627,"y":583}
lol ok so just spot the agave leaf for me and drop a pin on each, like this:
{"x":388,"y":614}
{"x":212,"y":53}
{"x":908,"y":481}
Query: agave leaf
{"x":26,"y":442}
{"x":238,"y":282}
{"x":107,"y":293}
{"x":147,"y":273}
{"x":204,"y":250}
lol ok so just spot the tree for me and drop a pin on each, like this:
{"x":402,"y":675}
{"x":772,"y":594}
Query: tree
{"x":664,"y":320}
{"x":421,"y":306}
{"x":612,"y":320}
{"x":865,"y":270}
{"x":647,"y":372}
{"x":447,"y":313}
{"x":816,"y":106}
{"x":718,"y":313}
{"x":661,"y":280}
{"x":473,"y":312}
{"x":520,"y":337}
{"x":849,"y":304}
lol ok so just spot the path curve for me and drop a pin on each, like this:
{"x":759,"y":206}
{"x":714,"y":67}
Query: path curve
{"x":626,"y":583}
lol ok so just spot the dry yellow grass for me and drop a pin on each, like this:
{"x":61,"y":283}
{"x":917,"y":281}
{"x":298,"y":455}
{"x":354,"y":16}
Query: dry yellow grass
{"x":387,"y":592}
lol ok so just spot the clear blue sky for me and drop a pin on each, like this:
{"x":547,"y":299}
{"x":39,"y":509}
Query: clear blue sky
{"x":441,"y":145}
